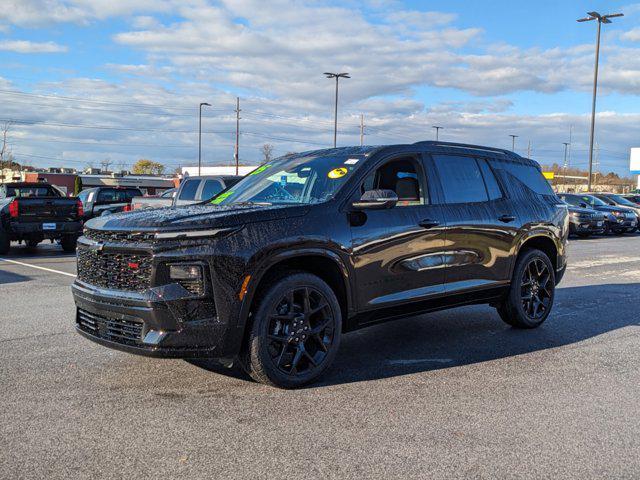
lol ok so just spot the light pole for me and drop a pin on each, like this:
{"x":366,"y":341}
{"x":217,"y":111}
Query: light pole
{"x":513,"y":142}
{"x":601,"y":19}
{"x":337,"y":76}
{"x":564,"y":165}
{"x":200,"y":136}
{"x":437,"y":131}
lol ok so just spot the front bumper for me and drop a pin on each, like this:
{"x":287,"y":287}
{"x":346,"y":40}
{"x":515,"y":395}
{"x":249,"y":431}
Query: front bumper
{"x":578,"y":225}
{"x":166,"y":322}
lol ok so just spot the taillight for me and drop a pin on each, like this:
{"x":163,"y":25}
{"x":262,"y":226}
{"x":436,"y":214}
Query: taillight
{"x":127,"y":208}
{"x":80,"y":208}
{"x":13,"y":208}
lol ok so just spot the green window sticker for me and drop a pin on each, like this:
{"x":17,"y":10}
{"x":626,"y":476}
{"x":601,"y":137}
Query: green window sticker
{"x":221,"y":197}
{"x":260,"y":169}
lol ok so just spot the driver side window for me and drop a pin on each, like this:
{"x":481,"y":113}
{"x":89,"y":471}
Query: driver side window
{"x":402,"y":176}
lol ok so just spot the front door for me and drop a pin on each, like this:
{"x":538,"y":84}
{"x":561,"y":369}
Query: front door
{"x":397,"y":252}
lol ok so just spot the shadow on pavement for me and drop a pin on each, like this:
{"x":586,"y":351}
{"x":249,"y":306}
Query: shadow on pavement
{"x":10,"y":277}
{"x":471,"y":335}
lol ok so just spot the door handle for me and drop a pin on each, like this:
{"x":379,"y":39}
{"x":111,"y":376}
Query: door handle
{"x":428,"y":223}
{"x":507,"y":218}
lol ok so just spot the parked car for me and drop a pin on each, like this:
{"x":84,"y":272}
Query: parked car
{"x":633,"y":197}
{"x":615,"y":200}
{"x":154,"y":201}
{"x":192,"y":190}
{"x":273,"y":271}
{"x":31,"y":212}
{"x":100,"y":201}
{"x":618,"y":220}
{"x":585,"y":222}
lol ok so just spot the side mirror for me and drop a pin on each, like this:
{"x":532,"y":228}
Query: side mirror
{"x":376,"y":200}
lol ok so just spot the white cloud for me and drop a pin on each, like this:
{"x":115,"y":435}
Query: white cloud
{"x":632,"y":35}
{"x":26,"y":46}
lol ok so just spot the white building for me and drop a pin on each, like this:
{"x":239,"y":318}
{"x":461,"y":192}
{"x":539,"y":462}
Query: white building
{"x":218,"y":170}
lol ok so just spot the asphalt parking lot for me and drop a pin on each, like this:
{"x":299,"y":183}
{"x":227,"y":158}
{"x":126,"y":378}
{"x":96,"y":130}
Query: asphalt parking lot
{"x":452,"y":394}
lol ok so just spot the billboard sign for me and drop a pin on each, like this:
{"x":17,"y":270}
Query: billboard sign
{"x":634,"y":161}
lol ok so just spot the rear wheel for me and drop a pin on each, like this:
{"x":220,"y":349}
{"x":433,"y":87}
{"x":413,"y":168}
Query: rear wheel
{"x":295,"y":333}
{"x":68,"y":243}
{"x":32,"y":243}
{"x":5,"y":243}
{"x":531,"y":293}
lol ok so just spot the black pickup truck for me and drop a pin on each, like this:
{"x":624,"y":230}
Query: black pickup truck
{"x":32,"y":212}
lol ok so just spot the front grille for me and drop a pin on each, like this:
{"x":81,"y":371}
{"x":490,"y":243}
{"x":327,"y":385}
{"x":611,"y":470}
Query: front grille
{"x":105,"y":236}
{"x":116,"y":271}
{"x":117,"y":330}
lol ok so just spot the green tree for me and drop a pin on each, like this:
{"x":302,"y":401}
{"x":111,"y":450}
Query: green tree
{"x":147,"y":167}
{"x":77,"y":186}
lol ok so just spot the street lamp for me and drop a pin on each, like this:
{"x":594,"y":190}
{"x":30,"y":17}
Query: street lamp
{"x":601,"y":19}
{"x":437,"y":131}
{"x":337,"y":76}
{"x":200,"y":136}
{"x":513,"y":142}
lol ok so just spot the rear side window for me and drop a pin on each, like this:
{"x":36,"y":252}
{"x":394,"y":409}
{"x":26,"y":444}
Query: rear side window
{"x":211,"y":188}
{"x":189,"y":190}
{"x":461,"y":179}
{"x":493,"y":189}
{"x":529,"y":175}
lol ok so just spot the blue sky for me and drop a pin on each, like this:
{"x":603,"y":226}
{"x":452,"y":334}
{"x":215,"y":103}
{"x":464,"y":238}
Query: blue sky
{"x":133,"y":71}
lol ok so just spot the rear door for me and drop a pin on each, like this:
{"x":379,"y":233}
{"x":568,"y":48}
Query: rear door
{"x":481,"y":223}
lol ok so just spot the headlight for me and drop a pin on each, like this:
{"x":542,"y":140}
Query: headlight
{"x":185,"y":272}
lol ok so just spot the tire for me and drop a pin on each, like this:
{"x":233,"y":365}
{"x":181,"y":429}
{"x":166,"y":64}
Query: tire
{"x":534,"y":276}
{"x":5,"y":243}
{"x":584,"y":235}
{"x":279,"y":351}
{"x":32,"y":243}
{"x":68,"y":243}
{"x":618,"y":232}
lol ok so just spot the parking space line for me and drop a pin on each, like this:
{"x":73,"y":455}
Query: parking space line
{"x":38,"y":267}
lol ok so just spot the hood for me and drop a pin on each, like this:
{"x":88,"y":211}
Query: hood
{"x":585,"y":211}
{"x":194,"y":217}
{"x":607,"y":208}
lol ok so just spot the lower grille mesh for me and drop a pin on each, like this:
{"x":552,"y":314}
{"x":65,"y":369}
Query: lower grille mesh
{"x":117,"y":330}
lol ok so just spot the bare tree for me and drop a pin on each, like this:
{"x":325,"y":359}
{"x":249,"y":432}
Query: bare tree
{"x":267,"y":151}
{"x":6,"y":126}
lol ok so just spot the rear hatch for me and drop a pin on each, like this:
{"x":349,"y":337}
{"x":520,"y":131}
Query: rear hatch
{"x":46,"y":209}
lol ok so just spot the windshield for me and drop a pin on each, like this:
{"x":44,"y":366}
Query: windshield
{"x":292,"y":180}
{"x":590,"y":199}
{"x":622,"y":201}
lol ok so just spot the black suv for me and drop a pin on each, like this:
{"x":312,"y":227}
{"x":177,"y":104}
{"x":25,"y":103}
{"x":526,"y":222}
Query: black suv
{"x":273,"y":271}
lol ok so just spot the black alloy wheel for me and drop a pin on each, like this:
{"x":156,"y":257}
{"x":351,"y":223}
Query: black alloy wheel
{"x":301,"y":329}
{"x":536,"y":289}
{"x":295,"y":333}
{"x":531,"y":293}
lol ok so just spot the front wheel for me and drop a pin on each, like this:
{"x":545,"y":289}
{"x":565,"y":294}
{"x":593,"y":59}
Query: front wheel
{"x":531,"y":292}
{"x":5,"y":243}
{"x":295,"y":333}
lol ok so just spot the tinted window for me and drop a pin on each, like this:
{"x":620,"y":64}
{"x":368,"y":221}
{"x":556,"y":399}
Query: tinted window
{"x":529,"y":175}
{"x":493,"y":189}
{"x":211,"y":188}
{"x":83,"y":196}
{"x":31,"y":191}
{"x":117,"y":195}
{"x":189,"y":190}
{"x":461,"y":179}
{"x":400,"y":176}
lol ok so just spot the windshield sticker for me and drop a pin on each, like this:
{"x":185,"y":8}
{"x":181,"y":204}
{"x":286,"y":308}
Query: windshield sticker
{"x":260,"y":169}
{"x":283,"y":181}
{"x":337,"y":173}
{"x":221,"y":197}
{"x":352,"y":161}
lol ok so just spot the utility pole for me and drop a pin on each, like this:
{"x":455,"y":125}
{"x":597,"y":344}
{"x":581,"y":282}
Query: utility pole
{"x":361,"y":129}
{"x":601,"y":19}
{"x":337,"y":76}
{"x":200,"y":137}
{"x":597,"y":164}
{"x":564,"y":165}
{"x":513,"y":142}
{"x":236,"y":153}
{"x":437,"y":131}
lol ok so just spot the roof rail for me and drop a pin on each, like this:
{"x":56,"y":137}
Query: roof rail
{"x":502,"y":151}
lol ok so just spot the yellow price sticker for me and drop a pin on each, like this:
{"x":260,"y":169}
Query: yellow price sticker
{"x":337,"y":172}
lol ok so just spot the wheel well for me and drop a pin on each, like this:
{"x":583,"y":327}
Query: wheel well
{"x":319,"y":265}
{"x":545,"y":245}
